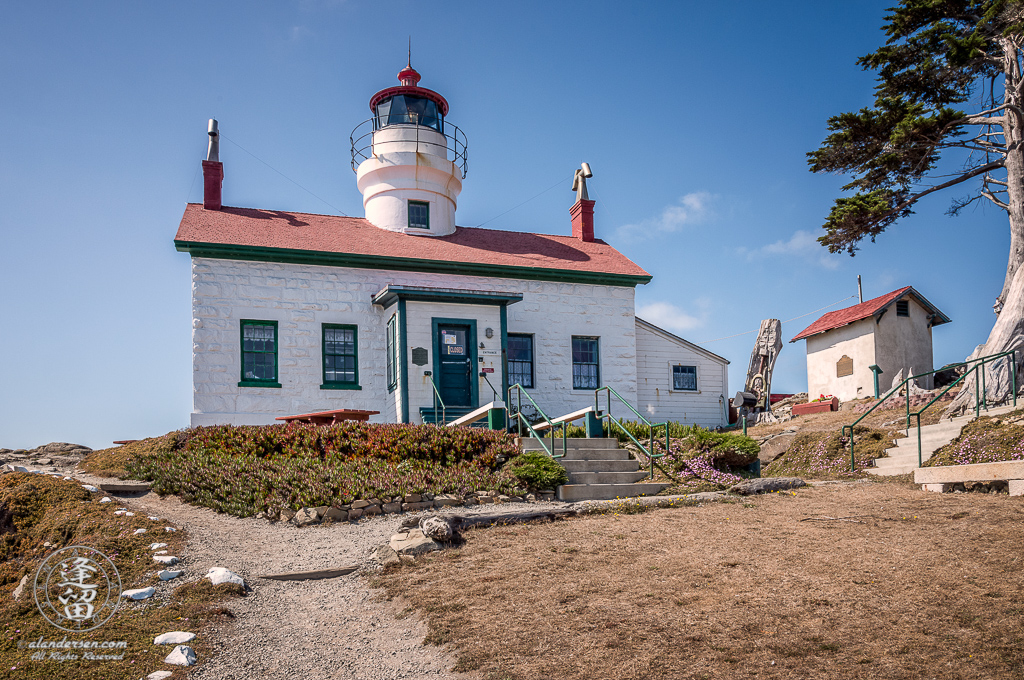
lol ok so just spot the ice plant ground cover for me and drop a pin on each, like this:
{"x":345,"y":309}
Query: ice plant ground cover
{"x":985,"y":440}
{"x":245,"y":470}
{"x":826,"y":455}
{"x":40,"y":514}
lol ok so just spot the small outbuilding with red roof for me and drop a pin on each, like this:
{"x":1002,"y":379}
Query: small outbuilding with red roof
{"x":888,"y":334}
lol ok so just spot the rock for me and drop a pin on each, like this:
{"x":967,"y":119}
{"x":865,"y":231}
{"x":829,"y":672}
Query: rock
{"x":413,"y":543}
{"x":175,"y":637}
{"x":471,"y":501}
{"x":119,"y":512}
{"x":357,"y":505}
{"x":159,"y":675}
{"x":157,"y":546}
{"x":306,"y":517}
{"x":375,"y":501}
{"x":165,"y":559}
{"x":371,"y":510}
{"x":160,"y":552}
{"x":89,"y":487}
{"x":412,"y":498}
{"x":413,"y":507}
{"x":183,"y":655}
{"x":218,"y":575}
{"x":287,"y":514}
{"x":335,"y":515}
{"x":436,"y":528}
{"x":137,"y":532}
{"x":775,"y":447}
{"x":153,"y":518}
{"x":128,"y":513}
{"x":62,"y":447}
{"x":355,"y":513}
{"x":447,"y":500}
{"x":139,"y":593}
{"x":530,"y":498}
{"x":20,"y":590}
{"x":428,"y":496}
{"x":166,"y":575}
{"x":105,"y":499}
{"x":749,"y":487}
{"x":322,"y":510}
{"x":392,"y":508}
{"x":44,"y":461}
{"x":170,"y":530}
{"x":515,"y":499}
{"x":503,"y":499}
{"x":386,"y":555}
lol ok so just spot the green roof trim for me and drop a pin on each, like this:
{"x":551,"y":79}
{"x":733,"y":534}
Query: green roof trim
{"x":227,"y":251}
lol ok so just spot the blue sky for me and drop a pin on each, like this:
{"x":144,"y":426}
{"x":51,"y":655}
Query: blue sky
{"x":696,"y":124}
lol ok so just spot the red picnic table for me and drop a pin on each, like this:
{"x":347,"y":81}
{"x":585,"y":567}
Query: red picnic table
{"x":330,"y":417}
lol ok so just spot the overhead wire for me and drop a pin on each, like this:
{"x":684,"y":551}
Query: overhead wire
{"x":821,"y":309}
{"x":526,"y":201}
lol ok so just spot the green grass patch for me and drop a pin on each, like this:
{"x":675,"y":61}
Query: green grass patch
{"x":984,"y":440}
{"x":38,"y":509}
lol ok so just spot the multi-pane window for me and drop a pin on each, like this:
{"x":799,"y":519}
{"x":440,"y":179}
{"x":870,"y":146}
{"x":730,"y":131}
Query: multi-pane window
{"x":340,"y":356}
{"x":419,"y":214}
{"x":586,"y":374}
{"x":684,"y":378}
{"x":520,"y":360}
{"x":392,"y":349}
{"x":902,"y":308}
{"x":259,"y":353}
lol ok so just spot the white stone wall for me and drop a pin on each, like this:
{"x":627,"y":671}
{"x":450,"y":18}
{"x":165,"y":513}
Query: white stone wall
{"x":905,"y":343}
{"x":857,"y":341}
{"x":302,"y":297}
{"x":656,"y":354}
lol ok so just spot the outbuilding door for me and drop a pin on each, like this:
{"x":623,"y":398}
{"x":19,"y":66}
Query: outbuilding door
{"x":454,"y":351}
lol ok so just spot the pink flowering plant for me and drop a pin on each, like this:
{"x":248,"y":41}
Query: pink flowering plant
{"x":826,"y":455}
{"x":703,"y":459}
{"x":985,"y":440}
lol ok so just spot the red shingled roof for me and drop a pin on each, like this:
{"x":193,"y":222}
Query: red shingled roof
{"x":843,"y":317}
{"x":257,"y":228}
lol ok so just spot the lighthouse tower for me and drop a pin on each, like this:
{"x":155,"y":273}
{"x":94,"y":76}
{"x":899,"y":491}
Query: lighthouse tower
{"x":409,"y":161}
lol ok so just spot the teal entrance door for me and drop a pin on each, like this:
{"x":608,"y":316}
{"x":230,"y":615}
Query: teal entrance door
{"x":455,"y":370}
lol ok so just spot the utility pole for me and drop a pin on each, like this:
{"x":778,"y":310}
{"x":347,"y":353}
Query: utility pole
{"x":860,"y":290}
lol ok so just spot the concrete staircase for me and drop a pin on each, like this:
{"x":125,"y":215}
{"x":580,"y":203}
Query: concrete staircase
{"x":598,"y":469}
{"x":902,"y":458}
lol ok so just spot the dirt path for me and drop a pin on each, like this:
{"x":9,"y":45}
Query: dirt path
{"x":308,"y":630}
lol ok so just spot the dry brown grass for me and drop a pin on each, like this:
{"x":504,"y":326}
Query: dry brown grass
{"x":833,"y":421}
{"x":921,"y":585}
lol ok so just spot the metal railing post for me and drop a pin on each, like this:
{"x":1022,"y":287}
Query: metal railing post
{"x":984,"y":390}
{"x":977,"y":395}
{"x":853,"y":461}
{"x":918,"y":439}
{"x":1013,"y":375}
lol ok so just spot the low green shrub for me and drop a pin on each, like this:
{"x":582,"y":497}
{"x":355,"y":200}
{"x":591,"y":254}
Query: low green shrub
{"x":826,"y":455}
{"x":537,"y":470}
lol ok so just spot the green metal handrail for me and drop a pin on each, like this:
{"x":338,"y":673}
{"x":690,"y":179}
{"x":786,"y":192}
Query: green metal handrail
{"x":437,"y":399}
{"x":521,"y":419}
{"x":980,"y":396}
{"x":651,"y":455}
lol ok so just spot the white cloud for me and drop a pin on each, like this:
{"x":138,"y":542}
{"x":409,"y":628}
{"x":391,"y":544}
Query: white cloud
{"x":690,"y":209}
{"x":672,"y":318}
{"x":801,"y":244}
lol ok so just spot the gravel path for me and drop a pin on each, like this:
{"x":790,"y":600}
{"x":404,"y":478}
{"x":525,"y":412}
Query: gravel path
{"x":303,"y":630}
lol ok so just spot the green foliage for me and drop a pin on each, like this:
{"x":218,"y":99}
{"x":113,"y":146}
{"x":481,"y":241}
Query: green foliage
{"x":985,"y":440}
{"x":938,"y":55}
{"x":826,"y":455}
{"x":537,"y":470}
{"x":244,"y":470}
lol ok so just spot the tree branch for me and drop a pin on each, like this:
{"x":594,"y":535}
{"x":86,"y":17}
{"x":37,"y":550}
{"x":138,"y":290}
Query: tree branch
{"x":995,"y":200}
{"x":980,"y":170}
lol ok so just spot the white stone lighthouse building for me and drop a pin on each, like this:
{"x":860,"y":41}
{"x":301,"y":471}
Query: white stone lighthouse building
{"x":402,"y":310}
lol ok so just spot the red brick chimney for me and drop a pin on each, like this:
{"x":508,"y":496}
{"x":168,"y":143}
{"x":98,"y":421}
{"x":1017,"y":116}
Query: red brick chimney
{"x":213,"y":171}
{"x":583,"y":219}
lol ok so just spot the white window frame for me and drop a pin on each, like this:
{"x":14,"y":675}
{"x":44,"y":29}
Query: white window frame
{"x":671,"y":377}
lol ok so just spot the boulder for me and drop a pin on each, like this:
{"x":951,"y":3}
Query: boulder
{"x":139,"y":593}
{"x":386,"y":555}
{"x":157,"y":546}
{"x":413,"y":507}
{"x":176,"y":637}
{"x":306,"y":517}
{"x":447,"y":500}
{"x":159,"y":675}
{"x":105,"y":499}
{"x":775,"y":447}
{"x":218,"y":575}
{"x":413,"y":543}
{"x":287,"y":514}
{"x":412,"y":498}
{"x":355,"y":513}
{"x":62,"y":447}
{"x":358,"y":505}
{"x":44,"y":461}
{"x":182,"y":655}
{"x":371,"y":510}
{"x":167,"y":575}
{"x":392,"y":508}
{"x":90,"y":488}
{"x":335,"y":514}
{"x":166,"y":559}
{"x":436,"y":528}
{"x":20,"y":590}
{"x":749,"y":487}
{"x":138,"y":532}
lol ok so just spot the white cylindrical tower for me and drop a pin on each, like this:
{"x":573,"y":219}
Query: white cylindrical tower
{"x":409,"y":160}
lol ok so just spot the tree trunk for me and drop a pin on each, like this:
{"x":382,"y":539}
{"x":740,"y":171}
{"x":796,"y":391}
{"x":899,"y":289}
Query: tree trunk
{"x":1007,"y":334}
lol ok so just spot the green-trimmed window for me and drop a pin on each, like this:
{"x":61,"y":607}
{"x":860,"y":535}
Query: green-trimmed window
{"x":520,"y":359}
{"x":419,"y":214}
{"x":341,"y":360}
{"x":586,"y":370}
{"x":259,"y":354}
{"x":392,"y":352}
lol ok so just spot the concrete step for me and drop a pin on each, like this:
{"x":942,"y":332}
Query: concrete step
{"x":532,"y":444}
{"x":616,"y":478}
{"x":599,"y":465}
{"x":892,"y":471}
{"x":900,"y":461}
{"x":603,"y":492}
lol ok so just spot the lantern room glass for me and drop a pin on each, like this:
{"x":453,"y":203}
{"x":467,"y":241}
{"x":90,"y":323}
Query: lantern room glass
{"x":404,"y":109}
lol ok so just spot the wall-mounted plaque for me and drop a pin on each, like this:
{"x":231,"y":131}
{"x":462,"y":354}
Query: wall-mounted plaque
{"x":844,"y":367}
{"x":419,"y":356}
